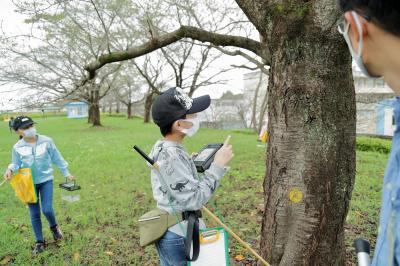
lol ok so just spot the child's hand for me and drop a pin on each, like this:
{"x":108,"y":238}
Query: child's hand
{"x":8,"y":174}
{"x":194,"y":154}
{"x":224,"y":155}
{"x":71,"y":178}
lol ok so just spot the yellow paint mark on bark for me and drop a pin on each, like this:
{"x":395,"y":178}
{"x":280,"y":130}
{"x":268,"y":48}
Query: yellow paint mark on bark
{"x":295,"y":195}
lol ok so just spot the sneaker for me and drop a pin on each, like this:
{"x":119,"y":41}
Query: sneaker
{"x":57,"y":234}
{"x":39,"y":248}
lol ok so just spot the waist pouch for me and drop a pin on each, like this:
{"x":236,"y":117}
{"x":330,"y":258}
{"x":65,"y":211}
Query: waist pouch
{"x":154,"y":224}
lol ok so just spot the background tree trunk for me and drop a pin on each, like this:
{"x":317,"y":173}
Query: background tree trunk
{"x":129,"y":111}
{"x":310,"y":164}
{"x":118,"y":106}
{"x":253,"y":123}
{"x":94,"y":108}
{"x":147,"y":107}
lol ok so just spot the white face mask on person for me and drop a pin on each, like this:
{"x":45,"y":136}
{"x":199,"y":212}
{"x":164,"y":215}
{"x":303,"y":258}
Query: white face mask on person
{"x":343,"y":29}
{"x":30,"y":132}
{"x":192,"y":130}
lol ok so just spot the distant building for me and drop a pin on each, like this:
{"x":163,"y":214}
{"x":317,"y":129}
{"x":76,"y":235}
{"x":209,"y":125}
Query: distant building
{"x":374,"y":101}
{"x":253,"y":81}
{"x":77,"y":110}
{"x":225,"y":112}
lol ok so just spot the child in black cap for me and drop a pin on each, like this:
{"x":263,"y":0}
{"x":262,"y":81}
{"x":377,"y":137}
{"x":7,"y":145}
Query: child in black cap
{"x":177,"y":187}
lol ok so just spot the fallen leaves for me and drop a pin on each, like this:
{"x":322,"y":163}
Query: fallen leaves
{"x":77,"y":256}
{"x":239,"y":257}
{"x":6,"y":259}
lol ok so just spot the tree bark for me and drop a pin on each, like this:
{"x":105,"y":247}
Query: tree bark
{"x":90,"y":113}
{"x":129,"y":110}
{"x":96,"y":115}
{"x":94,"y":108}
{"x":147,"y":107}
{"x":310,"y":164}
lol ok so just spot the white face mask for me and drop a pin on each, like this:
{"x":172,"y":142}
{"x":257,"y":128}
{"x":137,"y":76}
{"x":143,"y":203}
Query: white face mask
{"x":357,"y":56}
{"x":30,"y":132}
{"x":195,"y":126}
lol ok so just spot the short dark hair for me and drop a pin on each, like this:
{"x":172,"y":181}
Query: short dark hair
{"x":165,"y":130}
{"x":385,"y":13}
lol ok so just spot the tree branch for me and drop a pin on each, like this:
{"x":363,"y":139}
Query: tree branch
{"x":166,"y":39}
{"x":259,"y":65}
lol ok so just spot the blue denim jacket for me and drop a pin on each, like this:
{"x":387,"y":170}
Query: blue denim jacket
{"x":39,"y":157}
{"x":387,"y":249}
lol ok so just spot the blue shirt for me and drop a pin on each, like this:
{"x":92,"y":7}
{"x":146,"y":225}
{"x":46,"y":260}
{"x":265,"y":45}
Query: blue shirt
{"x":39,"y":157}
{"x":387,"y":249}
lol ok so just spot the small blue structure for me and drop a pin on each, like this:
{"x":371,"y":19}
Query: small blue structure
{"x":77,"y":110}
{"x":385,"y":124}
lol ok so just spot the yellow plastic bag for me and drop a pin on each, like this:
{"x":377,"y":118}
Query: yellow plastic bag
{"x":264,"y":137}
{"x":24,"y":187}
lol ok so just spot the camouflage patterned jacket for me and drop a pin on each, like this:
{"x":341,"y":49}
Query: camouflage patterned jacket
{"x":178,"y":175}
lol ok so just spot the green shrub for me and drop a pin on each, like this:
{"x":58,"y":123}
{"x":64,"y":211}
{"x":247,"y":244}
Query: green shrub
{"x":373,"y":145}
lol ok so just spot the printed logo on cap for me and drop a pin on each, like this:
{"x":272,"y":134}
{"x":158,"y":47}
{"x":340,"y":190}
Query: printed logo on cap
{"x":183,"y":98}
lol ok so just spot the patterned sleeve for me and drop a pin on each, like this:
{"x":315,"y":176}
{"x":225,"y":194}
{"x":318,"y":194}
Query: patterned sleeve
{"x":182,"y":184}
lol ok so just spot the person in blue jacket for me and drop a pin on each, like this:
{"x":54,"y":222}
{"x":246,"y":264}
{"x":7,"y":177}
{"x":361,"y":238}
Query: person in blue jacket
{"x":38,"y":152}
{"x":371,"y":29}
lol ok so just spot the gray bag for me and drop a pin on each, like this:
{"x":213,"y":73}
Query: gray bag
{"x":154,"y":224}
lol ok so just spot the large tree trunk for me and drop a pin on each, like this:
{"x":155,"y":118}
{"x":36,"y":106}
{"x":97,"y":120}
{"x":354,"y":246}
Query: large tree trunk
{"x":147,"y":107}
{"x":310,"y":164}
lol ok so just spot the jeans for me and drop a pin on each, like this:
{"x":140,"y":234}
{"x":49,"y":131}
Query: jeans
{"x":45,"y":190}
{"x":171,"y":249}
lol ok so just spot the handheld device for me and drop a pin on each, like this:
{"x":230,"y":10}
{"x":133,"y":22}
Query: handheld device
{"x":206,"y":156}
{"x":70,"y":186}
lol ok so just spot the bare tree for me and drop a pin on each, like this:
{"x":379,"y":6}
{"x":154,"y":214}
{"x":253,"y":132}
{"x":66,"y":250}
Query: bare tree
{"x":65,"y":35}
{"x":152,"y":74}
{"x":129,"y":89}
{"x":311,"y":112}
{"x":311,"y":103}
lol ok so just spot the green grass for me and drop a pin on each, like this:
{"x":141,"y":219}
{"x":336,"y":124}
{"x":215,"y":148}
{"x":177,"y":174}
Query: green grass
{"x":373,"y":145}
{"x":116,"y":191}
{"x":101,"y":228}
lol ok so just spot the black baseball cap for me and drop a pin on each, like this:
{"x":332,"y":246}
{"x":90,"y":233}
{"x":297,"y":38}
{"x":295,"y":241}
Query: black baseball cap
{"x":173,"y":104}
{"x":22,"y":122}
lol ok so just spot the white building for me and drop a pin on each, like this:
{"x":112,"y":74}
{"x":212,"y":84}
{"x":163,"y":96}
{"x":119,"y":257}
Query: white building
{"x":374,"y":100}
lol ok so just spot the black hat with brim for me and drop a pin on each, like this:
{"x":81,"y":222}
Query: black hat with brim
{"x":200,"y":104}
{"x":22,"y":122}
{"x":174,"y":104}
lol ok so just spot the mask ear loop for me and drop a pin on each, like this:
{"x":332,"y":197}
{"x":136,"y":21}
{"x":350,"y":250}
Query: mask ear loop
{"x":360,"y":32}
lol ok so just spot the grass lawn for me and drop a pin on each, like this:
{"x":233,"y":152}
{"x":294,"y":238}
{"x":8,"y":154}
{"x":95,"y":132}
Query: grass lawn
{"x":101,"y":228}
